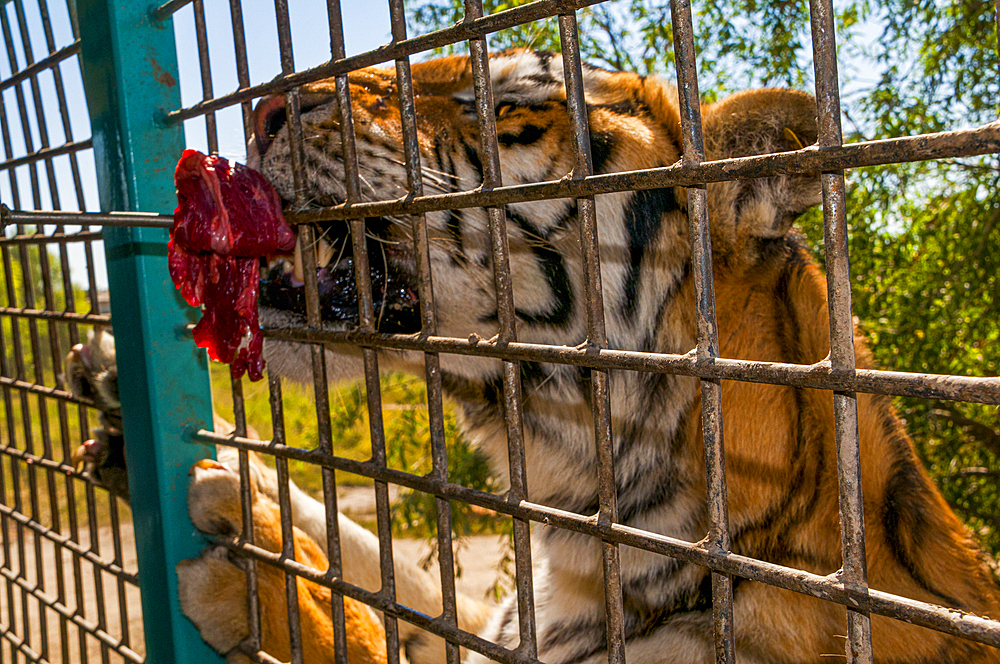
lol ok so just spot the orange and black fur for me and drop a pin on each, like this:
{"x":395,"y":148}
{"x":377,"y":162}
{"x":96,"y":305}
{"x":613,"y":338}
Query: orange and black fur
{"x":771,"y":303}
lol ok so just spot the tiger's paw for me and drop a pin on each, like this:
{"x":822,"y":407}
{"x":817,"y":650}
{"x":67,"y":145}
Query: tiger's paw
{"x":212,"y":587}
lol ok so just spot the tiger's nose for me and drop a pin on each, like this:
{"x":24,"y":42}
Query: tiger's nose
{"x":269,"y":118}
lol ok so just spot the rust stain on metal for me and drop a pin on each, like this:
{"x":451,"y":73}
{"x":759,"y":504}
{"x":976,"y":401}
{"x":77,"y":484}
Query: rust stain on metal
{"x":161,"y":75}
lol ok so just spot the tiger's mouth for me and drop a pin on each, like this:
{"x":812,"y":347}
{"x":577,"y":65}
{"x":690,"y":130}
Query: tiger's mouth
{"x":394,"y":293}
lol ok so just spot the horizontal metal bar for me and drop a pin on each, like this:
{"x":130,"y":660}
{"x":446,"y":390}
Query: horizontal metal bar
{"x":46,"y":153}
{"x":22,"y":646}
{"x":461,"y":31}
{"x":55,"y":238}
{"x":971,"y":142}
{"x":65,"y":316}
{"x":817,"y":376}
{"x":436,"y":626}
{"x":51,"y":392}
{"x":59,"y":539}
{"x":168,"y":9}
{"x":255,"y":655}
{"x":78,"y":620}
{"x":43,"y":462}
{"x":828,"y":588}
{"x":36,"y":217}
{"x":43,"y":64}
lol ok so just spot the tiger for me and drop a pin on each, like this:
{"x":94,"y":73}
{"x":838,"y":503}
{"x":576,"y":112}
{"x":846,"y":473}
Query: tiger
{"x":771,"y":304}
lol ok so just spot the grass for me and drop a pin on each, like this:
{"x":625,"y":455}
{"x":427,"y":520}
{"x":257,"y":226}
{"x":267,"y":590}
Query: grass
{"x":407,"y":433}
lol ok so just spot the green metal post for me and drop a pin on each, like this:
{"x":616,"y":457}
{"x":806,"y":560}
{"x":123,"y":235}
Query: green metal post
{"x":130,"y":76}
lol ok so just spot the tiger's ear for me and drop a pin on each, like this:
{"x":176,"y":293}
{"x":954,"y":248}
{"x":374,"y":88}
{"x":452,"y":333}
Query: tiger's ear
{"x":752,"y":123}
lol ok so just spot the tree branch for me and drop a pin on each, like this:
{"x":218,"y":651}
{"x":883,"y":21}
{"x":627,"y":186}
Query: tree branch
{"x":985,"y":434}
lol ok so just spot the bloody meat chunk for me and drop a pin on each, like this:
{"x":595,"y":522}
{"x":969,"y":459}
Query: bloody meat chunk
{"x":227,"y":217}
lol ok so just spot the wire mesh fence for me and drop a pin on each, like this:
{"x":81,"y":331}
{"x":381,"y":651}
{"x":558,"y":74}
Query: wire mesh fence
{"x":70,"y":591}
{"x":36,"y":464}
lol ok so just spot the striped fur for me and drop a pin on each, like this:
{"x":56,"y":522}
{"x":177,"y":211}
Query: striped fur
{"x":771,"y":300}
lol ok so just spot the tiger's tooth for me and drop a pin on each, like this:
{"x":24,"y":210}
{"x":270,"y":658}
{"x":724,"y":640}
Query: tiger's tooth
{"x":297,"y":272}
{"x":324,"y":253}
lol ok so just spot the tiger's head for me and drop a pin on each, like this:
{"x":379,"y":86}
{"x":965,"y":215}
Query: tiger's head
{"x":644,"y":249}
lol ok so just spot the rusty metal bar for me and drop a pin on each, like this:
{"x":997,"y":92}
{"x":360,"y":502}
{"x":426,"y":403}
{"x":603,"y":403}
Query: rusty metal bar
{"x":253,"y":641}
{"x":46,"y":153}
{"x":50,"y":315}
{"x":242,"y":66}
{"x":506,"y":333}
{"x":116,"y":543}
{"x":829,"y":588}
{"x":55,"y":238}
{"x":107,"y":641}
{"x":168,"y":9}
{"x":49,"y":62}
{"x":42,"y":126}
{"x":852,"y":515}
{"x":943,"y":145}
{"x":57,"y":56}
{"x":62,"y":541}
{"x":432,"y":363}
{"x":85,"y":219}
{"x":305,"y":240}
{"x":67,"y":126}
{"x":352,"y":184}
{"x":52,"y":392}
{"x":285,"y":515}
{"x":596,"y":336}
{"x":28,"y":298}
{"x":816,"y":376}
{"x":396,"y":611}
{"x":462,"y":31}
{"x":708,"y":334}
{"x":201,"y":37}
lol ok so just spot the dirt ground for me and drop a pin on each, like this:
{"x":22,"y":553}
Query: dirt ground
{"x":53,"y":634}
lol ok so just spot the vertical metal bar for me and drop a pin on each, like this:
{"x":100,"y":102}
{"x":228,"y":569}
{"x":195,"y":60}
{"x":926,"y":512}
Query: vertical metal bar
{"x":596,"y":335}
{"x":15,"y":468}
{"x":5,"y":368}
{"x":54,"y":346}
{"x":130,"y":76}
{"x":95,"y":548}
{"x":242,"y":68}
{"x":845,"y":408}
{"x":28,"y":291}
{"x":64,"y":115}
{"x":236,"y":386}
{"x":201,"y":35}
{"x":507,"y":332}
{"x":306,"y":241}
{"x":352,"y":182}
{"x":22,"y":109}
{"x":432,"y":363}
{"x":119,"y":559}
{"x":57,"y":353}
{"x":708,"y":345}
{"x":36,"y":97}
{"x":285,"y":510}
{"x":29,"y":446}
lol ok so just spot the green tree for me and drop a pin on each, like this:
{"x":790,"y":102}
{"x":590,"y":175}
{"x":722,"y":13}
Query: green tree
{"x":923,"y":236}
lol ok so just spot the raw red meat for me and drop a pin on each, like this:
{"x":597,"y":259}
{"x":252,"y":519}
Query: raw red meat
{"x":227,"y":217}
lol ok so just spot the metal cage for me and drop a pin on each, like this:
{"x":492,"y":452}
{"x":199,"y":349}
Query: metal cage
{"x":136,"y":138}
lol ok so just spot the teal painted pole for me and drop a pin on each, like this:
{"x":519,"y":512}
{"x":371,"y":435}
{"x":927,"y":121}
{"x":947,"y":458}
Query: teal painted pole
{"x":130,"y":76}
